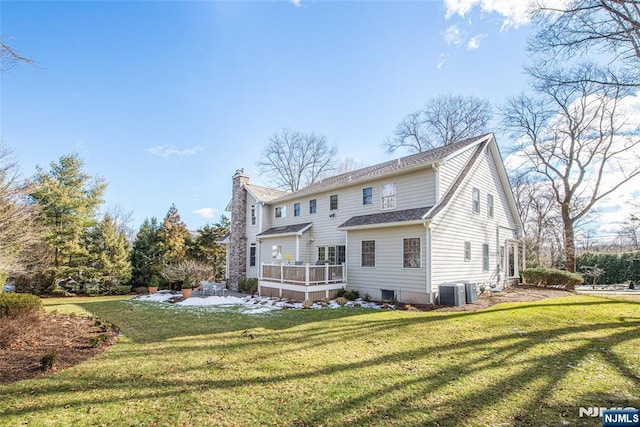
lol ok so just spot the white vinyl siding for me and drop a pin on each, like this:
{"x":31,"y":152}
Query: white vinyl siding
{"x":457,"y":225}
{"x":389,"y":273}
{"x":413,"y":190}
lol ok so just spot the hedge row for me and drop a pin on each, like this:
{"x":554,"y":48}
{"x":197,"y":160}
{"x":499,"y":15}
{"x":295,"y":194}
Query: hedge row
{"x":12,"y":304}
{"x":618,"y":268}
{"x":552,"y":277}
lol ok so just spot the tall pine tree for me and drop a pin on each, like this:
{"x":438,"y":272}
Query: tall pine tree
{"x":207,"y":247}
{"x":69,"y":199}
{"x":146,"y":258}
{"x":109,"y":253}
{"x":174,"y":237}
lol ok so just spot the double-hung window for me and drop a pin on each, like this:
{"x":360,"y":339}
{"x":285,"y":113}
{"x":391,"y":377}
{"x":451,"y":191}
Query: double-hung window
{"x":485,"y":257}
{"x":467,"y":251}
{"x":333,"y":202}
{"x":296,"y":209}
{"x":253,"y":215}
{"x":389,"y":195}
{"x":411,"y":252}
{"x":490,"y":205}
{"x":312,"y":206}
{"x":368,"y":253}
{"x":475,"y":200}
{"x":281,"y":211}
{"x":367,"y":196}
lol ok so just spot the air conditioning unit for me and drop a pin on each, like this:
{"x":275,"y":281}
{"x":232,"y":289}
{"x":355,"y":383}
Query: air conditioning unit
{"x":471,"y":291}
{"x":451,"y":294}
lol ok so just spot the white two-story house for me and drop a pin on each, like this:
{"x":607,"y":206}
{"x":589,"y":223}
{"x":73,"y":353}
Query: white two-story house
{"x":395,"y":230}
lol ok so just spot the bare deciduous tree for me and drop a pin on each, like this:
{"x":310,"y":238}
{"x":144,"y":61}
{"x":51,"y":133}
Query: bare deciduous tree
{"x":537,"y":209}
{"x":580,"y":139}
{"x":9,"y":58}
{"x":607,"y":29}
{"x":19,"y":231}
{"x":294,"y":159}
{"x":444,"y":120}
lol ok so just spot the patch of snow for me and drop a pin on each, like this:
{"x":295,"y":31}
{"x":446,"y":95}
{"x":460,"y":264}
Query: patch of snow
{"x":248,"y":304}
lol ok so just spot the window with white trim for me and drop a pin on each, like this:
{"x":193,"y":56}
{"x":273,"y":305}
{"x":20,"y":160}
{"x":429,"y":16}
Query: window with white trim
{"x":490,"y":205}
{"x":254,"y":216}
{"x":296,"y":209}
{"x":485,"y":257}
{"x":367,"y":196}
{"x":467,"y":251}
{"x":368,"y":253}
{"x":333,"y":202}
{"x":475,"y":200}
{"x":411,"y":252}
{"x":388,"y":195}
{"x":312,"y":206}
{"x":252,"y":255}
{"x":281,"y":211}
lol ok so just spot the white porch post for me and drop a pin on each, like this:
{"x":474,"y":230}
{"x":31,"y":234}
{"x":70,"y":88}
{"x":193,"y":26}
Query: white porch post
{"x":281,"y":273}
{"x":297,"y":247}
{"x":260,"y":276}
{"x":326,"y":272}
{"x":306,"y":274}
{"x":516,"y":261}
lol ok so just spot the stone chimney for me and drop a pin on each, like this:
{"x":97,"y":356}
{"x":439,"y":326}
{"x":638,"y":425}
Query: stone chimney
{"x":238,"y":231}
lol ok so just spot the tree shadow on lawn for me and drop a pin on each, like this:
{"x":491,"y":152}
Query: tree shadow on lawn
{"x":146,"y":322}
{"x":427,"y":393}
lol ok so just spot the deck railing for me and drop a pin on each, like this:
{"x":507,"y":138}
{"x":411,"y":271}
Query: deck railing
{"x":305,"y":274}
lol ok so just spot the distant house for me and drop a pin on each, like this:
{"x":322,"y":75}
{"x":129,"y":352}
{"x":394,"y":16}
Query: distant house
{"x":395,"y":230}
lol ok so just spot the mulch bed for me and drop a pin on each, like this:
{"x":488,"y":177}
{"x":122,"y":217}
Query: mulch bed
{"x":72,"y":339}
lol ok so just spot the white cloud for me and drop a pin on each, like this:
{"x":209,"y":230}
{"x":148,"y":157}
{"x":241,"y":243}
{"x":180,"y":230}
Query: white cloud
{"x":453,"y":36}
{"x":442,"y":59}
{"x":206,"y":212}
{"x":168,"y":150}
{"x":514,"y":12}
{"x":474,"y":42}
{"x":296,"y":3}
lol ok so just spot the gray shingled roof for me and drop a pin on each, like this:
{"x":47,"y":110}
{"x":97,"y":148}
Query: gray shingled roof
{"x":286,"y":229}
{"x":403,"y":163}
{"x":386,"y":217}
{"x":264,"y":194}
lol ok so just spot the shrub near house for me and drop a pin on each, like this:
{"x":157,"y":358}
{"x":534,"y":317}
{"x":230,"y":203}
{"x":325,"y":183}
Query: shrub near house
{"x":552,"y":277}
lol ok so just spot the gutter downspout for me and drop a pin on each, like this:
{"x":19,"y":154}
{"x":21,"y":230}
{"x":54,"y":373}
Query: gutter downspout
{"x":427,"y":226}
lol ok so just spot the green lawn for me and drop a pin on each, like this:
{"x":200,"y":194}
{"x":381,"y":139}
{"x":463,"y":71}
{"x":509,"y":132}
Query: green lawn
{"x":514,"y":364}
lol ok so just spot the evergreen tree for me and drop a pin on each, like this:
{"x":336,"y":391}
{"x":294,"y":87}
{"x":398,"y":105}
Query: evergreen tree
{"x":146,"y":259}
{"x":69,"y":199}
{"x":174,"y":237}
{"x":109,"y":253}
{"x":207,"y":247}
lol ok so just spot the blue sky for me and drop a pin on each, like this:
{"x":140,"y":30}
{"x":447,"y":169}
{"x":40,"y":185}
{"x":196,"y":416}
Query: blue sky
{"x":166,"y":100}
